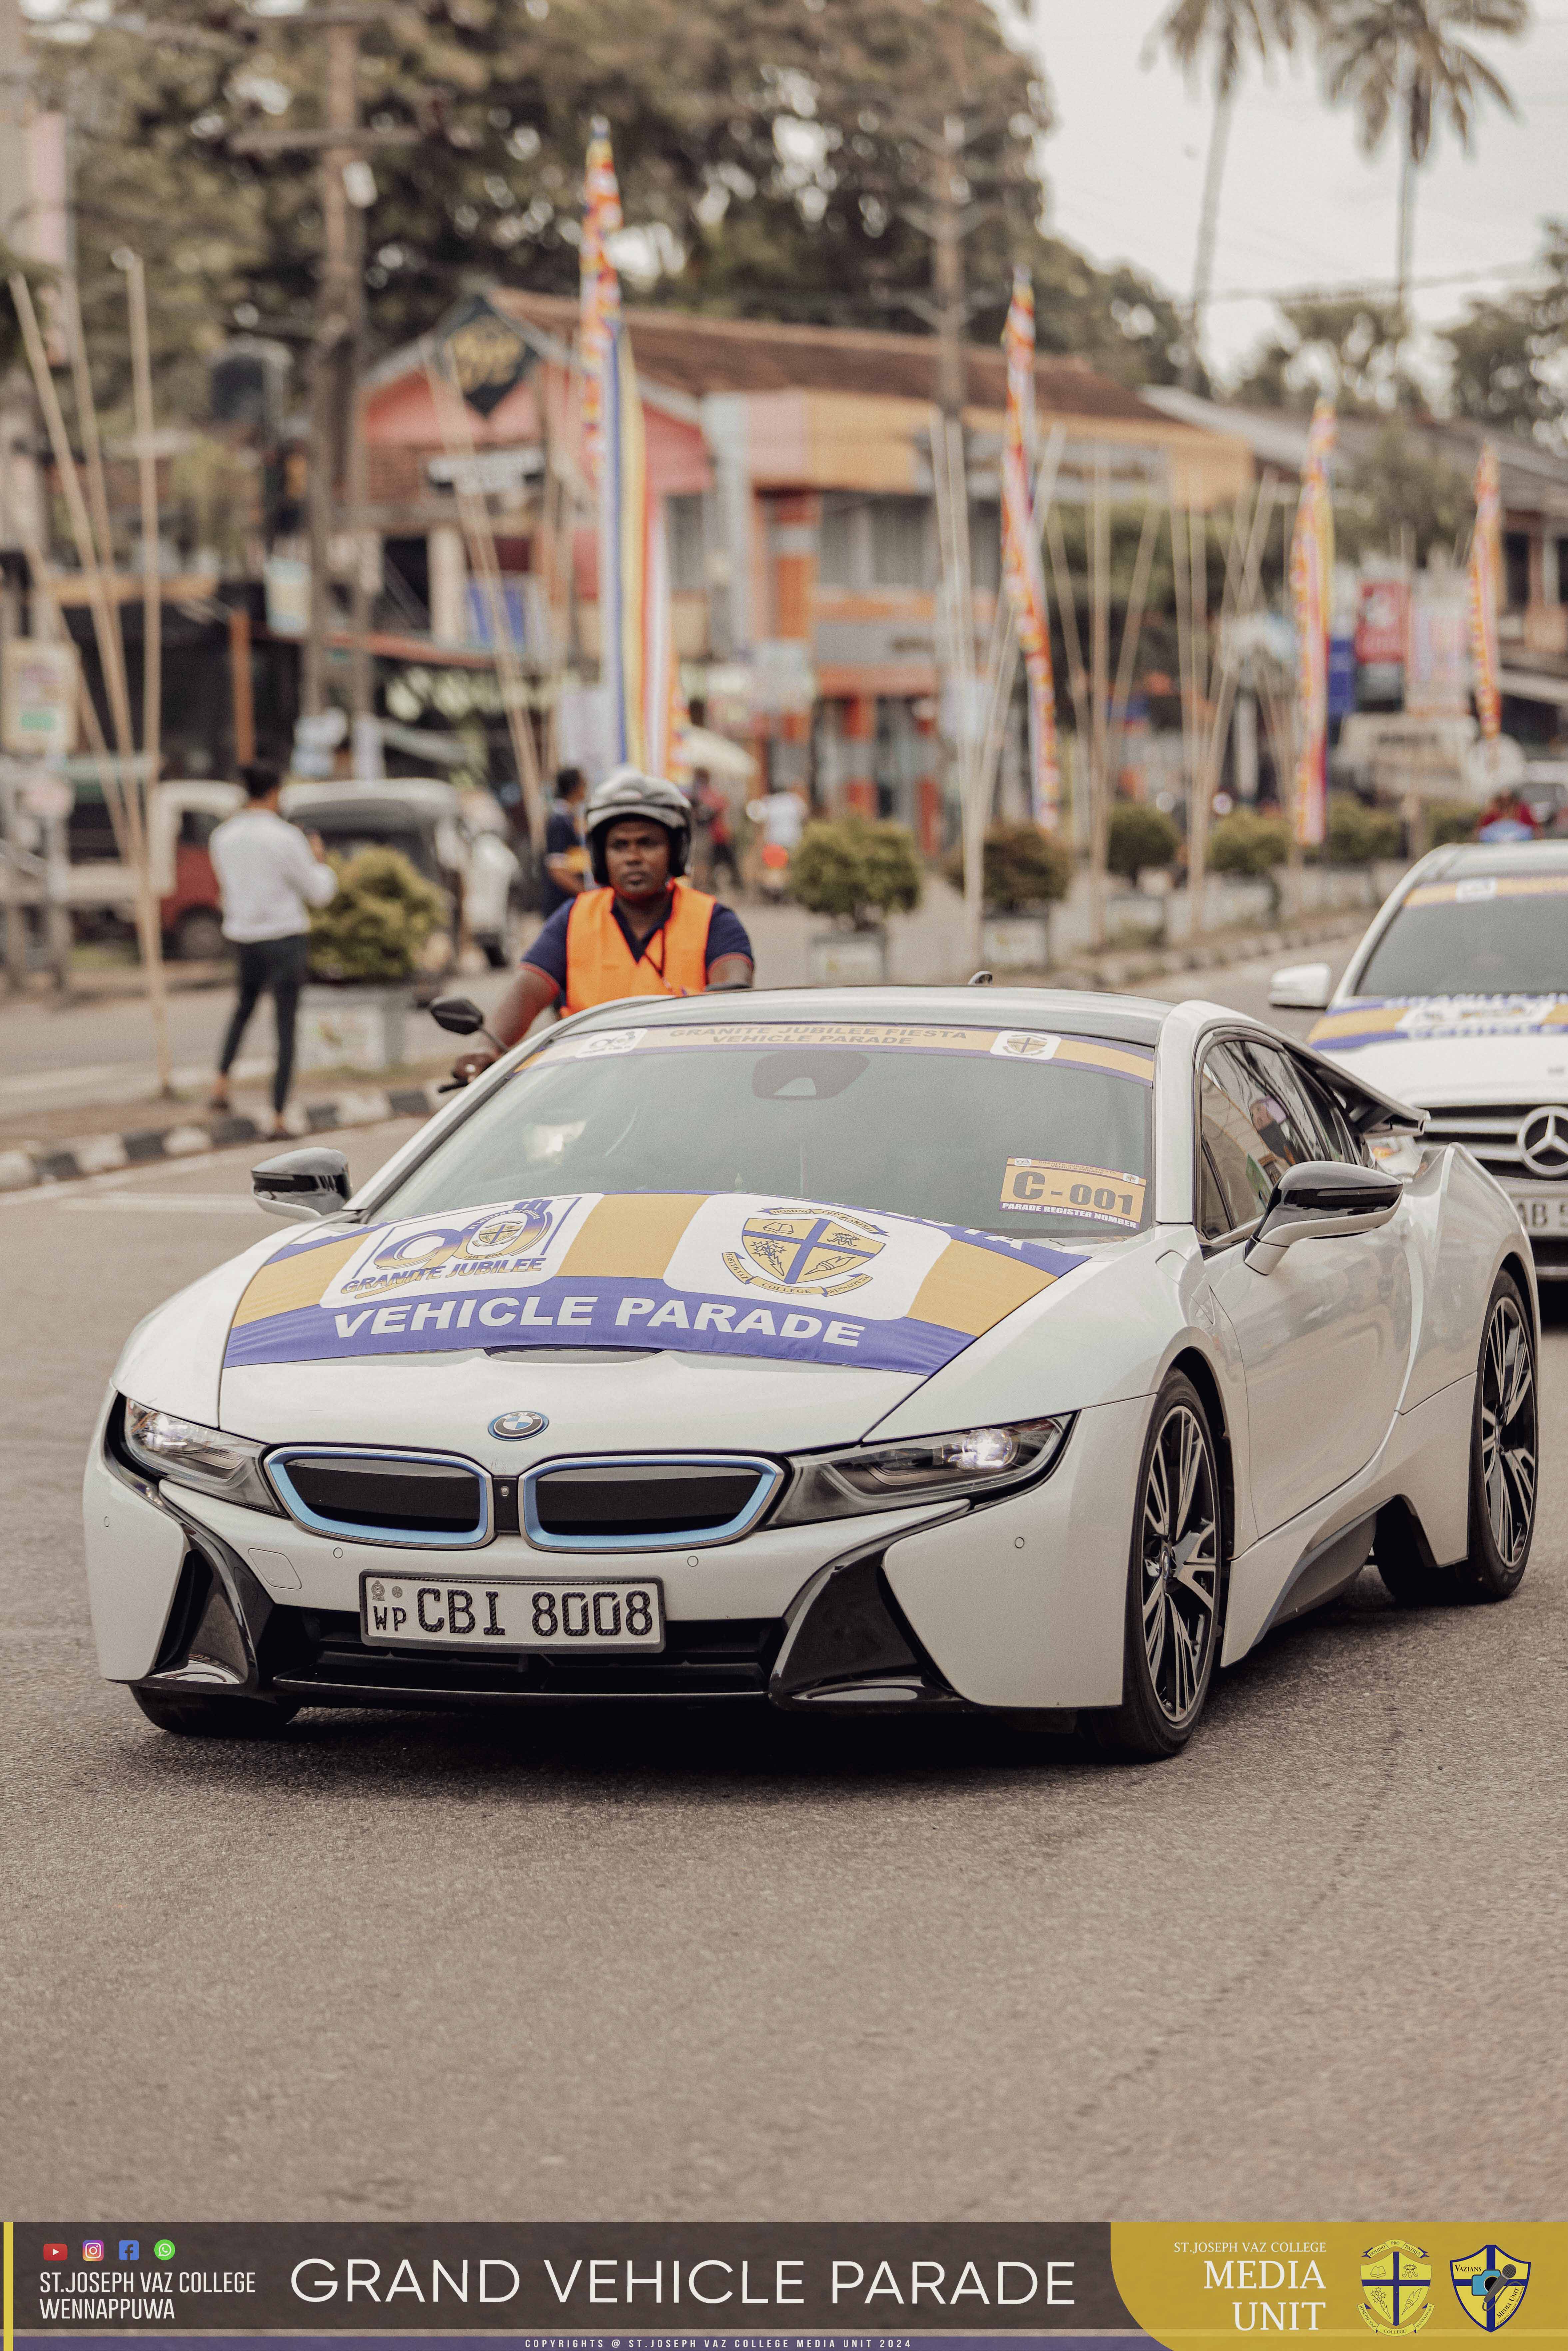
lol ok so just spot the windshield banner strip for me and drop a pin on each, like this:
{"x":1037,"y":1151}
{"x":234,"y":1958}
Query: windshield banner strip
{"x":1038,"y":1045}
{"x":1477,"y":888}
{"x":727,"y":1273}
{"x":1424,"y":1019}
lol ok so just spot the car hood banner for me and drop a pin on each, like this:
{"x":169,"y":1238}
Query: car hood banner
{"x":729,"y":1273}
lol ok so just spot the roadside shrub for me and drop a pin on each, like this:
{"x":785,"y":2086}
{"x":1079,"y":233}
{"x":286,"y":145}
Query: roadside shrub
{"x":377,"y":925}
{"x":1022,"y":867}
{"x":1357,"y":834}
{"x":1253,"y":846}
{"x":1140,"y":837}
{"x":1449,"y":820}
{"x":856,"y":871}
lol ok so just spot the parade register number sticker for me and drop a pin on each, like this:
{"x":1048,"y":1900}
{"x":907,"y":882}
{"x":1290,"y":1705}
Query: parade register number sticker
{"x":496,"y":1614}
{"x":1098,"y":1193}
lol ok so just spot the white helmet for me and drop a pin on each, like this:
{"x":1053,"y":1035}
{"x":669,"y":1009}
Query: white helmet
{"x":627,"y":792}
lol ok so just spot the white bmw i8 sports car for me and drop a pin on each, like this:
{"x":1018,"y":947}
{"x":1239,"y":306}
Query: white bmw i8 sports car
{"x":861,"y":1351}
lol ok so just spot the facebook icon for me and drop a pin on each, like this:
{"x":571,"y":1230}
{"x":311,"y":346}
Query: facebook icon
{"x":130,"y":2249}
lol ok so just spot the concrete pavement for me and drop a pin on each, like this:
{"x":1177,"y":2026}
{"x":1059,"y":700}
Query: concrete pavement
{"x":631,"y":1967}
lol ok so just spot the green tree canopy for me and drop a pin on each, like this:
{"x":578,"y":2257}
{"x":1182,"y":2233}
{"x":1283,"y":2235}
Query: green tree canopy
{"x":774,"y":156}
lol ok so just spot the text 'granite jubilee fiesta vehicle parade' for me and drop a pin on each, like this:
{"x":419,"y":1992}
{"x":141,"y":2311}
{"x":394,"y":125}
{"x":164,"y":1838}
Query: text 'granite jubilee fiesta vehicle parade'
{"x":892,"y":1350}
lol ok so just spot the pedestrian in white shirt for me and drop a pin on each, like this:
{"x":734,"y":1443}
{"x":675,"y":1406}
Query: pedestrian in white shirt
{"x":270,"y":874}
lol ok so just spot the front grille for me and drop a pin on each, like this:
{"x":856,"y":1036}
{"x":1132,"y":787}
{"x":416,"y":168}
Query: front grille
{"x":1551,"y":1260}
{"x":645,"y":1504}
{"x":317,"y":1655}
{"x":412,"y":1498}
{"x":1489,"y":1128}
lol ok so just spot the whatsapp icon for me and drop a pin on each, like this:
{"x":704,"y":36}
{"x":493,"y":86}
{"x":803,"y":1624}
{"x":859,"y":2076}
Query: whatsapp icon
{"x":163,"y":2251}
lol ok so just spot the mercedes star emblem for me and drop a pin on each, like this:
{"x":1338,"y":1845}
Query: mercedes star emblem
{"x":1544,"y":1141}
{"x":529,"y":1424}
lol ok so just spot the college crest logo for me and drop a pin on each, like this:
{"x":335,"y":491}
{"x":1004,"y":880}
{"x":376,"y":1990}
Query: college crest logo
{"x":1025,"y":1044}
{"x":1395,"y":2288}
{"x":806,"y":1254}
{"x":1490,"y":2285}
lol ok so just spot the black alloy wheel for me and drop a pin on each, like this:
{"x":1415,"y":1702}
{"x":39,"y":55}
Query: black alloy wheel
{"x":1504,"y":1450}
{"x":1172,"y":1584}
{"x":1503,"y":1472}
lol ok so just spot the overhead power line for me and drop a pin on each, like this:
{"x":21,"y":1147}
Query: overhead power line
{"x":1369,"y":286}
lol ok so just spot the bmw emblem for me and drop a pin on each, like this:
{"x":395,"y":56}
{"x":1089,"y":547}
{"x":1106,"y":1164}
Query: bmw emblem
{"x":518,"y":1424}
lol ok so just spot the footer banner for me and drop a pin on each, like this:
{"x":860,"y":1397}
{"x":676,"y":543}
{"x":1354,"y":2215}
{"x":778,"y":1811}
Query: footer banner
{"x":806,"y":2286}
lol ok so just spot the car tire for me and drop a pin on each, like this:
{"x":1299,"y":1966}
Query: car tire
{"x":494,"y":949}
{"x":200,"y":936}
{"x":1505,"y":1450}
{"x":1175,"y":1576}
{"x":1502,"y":1475}
{"x":194,"y":1716}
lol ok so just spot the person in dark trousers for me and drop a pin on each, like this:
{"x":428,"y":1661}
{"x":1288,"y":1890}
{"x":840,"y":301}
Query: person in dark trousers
{"x":566,"y":860}
{"x":270,"y":874}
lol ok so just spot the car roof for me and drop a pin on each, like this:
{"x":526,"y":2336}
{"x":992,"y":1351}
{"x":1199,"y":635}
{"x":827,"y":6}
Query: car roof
{"x":1492,"y":860}
{"x":1123,"y":1019}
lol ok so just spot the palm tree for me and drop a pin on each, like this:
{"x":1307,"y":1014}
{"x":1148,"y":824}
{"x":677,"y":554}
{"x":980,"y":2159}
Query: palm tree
{"x":1225,"y":31}
{"x":1406,"y":60}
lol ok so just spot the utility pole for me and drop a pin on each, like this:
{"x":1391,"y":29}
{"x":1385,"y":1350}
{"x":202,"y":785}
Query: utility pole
{"x":337,"y":438}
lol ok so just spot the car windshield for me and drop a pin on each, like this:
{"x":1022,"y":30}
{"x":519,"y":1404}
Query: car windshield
{"x":1490,"y":934}
{"x":1014,"y":1132}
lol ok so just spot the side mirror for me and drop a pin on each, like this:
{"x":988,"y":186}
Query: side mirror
{"x":1322,"y":1199}
{"x":1302,"y":987}
{"x":457,"y":1015}
{"x":300,"y":1185}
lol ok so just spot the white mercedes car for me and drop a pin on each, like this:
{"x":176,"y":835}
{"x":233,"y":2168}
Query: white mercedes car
{"x":866,"y":1352}
{"x":1457,"y":1000}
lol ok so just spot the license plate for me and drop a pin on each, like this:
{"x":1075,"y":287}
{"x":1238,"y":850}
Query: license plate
{"x":1543,"y":1212}
{"x":495,"y":1614}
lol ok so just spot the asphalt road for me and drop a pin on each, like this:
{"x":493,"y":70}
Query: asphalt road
{"x":637,"y":1967}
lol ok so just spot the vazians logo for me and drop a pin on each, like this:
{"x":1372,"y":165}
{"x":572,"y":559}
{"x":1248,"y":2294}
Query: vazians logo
{"x":802,"y":1254}
{"x":1490,"y":2284}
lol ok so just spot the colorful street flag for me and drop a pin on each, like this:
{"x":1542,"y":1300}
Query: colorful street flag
{"x":1023,"y":573}
{"x":599,"y":301}
{"x":1486,"y":581}
{"x":1311,"y":577}
{"x":625,"y":540}
{"x":637,"y":665}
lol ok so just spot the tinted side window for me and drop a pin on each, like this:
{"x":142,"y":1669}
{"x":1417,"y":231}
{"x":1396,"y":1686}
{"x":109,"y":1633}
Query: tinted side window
{"x":1230,"y":1141}
{"x":1305,"y":1120}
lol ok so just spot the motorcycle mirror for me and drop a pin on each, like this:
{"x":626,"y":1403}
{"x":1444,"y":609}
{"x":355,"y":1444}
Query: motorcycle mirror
{"x":458,"y":1015}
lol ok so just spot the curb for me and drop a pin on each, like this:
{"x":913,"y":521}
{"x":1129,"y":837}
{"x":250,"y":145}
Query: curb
{"x":101,"y":1154}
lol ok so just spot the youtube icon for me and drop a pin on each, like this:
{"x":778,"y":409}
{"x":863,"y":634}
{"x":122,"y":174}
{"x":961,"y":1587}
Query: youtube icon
{"x":56,"y":2252}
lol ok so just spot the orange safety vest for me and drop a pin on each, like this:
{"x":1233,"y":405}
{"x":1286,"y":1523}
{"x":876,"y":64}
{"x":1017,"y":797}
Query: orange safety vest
{"x":600,"y":965}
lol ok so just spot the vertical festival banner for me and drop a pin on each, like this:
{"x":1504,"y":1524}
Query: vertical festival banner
{"x":1023,"y":574}
{"x":1311,"y":575}
{"x":1486,"y":575}
{"x":638,"y":668}
{"x":599,"y":297}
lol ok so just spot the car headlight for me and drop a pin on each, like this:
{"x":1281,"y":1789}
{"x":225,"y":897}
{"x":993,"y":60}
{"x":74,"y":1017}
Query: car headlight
{"x":207,"y":1459}
{"x":925,"y":1468}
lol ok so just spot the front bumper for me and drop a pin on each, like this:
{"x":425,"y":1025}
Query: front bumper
{"x":1016,"y":1605}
